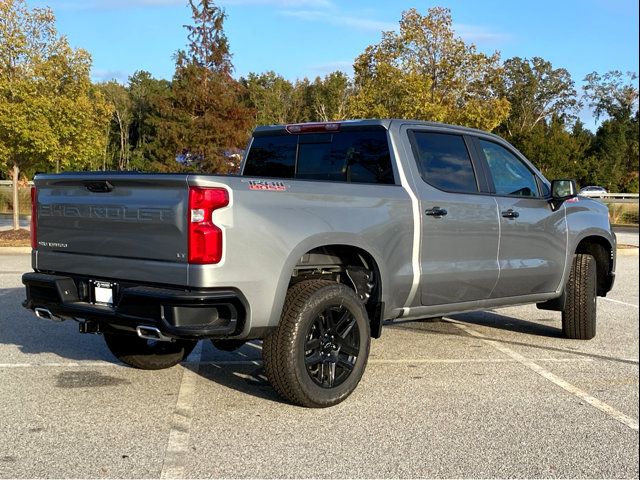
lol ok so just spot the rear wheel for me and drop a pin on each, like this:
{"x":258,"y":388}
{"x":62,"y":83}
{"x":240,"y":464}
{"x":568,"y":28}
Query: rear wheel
{"x":148,"y":354}
{"x":579,"y":314}
{"x":318,"y":353}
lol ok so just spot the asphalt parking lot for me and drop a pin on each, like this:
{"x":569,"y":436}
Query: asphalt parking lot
{"x":488,"y":394}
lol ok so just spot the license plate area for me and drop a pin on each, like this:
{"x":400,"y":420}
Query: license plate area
{"x":102,"y":293}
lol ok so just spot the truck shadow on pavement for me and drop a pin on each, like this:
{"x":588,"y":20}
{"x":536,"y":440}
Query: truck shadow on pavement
{"x":240,"y":370}
{"x":505,"y":323}
{"x":60,"y":341}
{"x":32,"y":335}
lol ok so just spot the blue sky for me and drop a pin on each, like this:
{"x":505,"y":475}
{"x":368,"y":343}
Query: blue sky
{"x":298,"y":38}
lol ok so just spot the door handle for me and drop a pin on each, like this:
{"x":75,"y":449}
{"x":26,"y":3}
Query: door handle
{"x":436,"y":212}
{"x":511,"y":213}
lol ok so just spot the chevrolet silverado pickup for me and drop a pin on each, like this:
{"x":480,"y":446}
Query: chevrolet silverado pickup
{"x":329,"y":230}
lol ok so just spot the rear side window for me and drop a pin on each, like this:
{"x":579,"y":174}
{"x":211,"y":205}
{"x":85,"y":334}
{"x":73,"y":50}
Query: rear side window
{"x":272,"y":157}
{"x":357,"y":156}
{"x":444,"y":161}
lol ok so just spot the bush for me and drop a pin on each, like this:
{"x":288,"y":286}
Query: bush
{"x":6,"y":200}
{"x":623,"y":213}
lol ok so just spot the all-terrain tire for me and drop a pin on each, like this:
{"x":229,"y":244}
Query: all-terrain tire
{"x":148,"y":355}
{"x":579,"y":314}
{"x":284,"y":350}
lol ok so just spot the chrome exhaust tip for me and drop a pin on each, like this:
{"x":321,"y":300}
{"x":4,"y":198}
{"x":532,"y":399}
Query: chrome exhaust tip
{"x":45,"y":314}
{"x":152,"y":333}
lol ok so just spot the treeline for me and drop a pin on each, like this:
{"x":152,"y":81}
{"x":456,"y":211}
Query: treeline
{"x":202,"y":118}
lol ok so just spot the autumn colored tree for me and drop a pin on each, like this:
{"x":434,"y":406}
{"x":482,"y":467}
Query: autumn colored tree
{"x":426,"y":72}
{"x":204,"y":120}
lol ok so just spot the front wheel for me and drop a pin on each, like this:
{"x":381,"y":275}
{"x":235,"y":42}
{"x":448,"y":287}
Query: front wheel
{"x":318,"y":353}
{"x":148,"y":354}
{"x":579,"y":314}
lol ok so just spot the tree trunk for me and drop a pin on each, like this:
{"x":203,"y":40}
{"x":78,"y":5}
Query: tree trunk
{"x":16,"y":203}
{"x":106,"y":147}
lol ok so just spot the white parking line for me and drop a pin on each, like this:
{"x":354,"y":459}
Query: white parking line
{"x":618,"y":301}
{"x":572,"y":389}
{"x":175,"y":453}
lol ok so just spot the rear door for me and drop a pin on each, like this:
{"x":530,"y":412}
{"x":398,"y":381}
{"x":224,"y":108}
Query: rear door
{"x":459,"y":224}
{"x":533,"y":238}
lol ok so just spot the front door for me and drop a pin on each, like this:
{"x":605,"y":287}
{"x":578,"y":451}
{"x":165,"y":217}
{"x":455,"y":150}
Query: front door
{"x":533,"y":238}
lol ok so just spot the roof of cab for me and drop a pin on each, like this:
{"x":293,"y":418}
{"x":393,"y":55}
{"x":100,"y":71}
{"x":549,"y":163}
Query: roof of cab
{"x":384,"y":122}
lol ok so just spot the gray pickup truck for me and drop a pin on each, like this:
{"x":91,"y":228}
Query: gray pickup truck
{"x":331,"y":229}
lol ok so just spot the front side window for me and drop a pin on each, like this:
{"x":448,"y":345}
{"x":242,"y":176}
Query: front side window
{"x":510,"y":176}
{"x":444,"y":162}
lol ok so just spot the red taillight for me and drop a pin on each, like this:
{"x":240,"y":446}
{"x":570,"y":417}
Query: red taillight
{"x":205,"y":238}
{"x":34,"y":218}
{"x":313,"y":127}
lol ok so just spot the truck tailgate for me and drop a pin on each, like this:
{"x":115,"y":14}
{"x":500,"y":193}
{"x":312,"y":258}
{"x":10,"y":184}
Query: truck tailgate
{"x":118,"y":216}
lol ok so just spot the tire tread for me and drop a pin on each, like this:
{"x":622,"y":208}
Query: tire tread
{"x":579,"y":314}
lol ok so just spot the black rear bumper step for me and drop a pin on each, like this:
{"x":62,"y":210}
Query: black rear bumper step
{"x":188,"y":314}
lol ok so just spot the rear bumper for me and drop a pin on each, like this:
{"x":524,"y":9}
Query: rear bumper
{"x":188,"y":314}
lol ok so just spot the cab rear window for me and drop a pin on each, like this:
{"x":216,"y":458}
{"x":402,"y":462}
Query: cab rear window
{"x":357,"y":156}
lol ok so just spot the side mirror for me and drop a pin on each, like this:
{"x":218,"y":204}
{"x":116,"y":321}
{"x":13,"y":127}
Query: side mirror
{"x":563,"y":189}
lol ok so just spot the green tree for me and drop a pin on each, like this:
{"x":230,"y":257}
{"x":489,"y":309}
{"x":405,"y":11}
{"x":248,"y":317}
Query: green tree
{"x":615,"y":96}
{"x":426,"y":72}
{"x":556,"y":151}
{"x":122,"y":115}
{"x":330,"y":96}
{"x":49,"y":113}
{"x":536,"y":92}
{"x":270,"y":97}
{"x":611,"y":95}
{"x":205,"y":120}
{"x":78,"y":113}
{"x":147,"y":95}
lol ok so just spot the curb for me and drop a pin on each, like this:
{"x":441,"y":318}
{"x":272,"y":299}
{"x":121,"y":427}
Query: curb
{"x":13,"y":250}
{"x":630,"y":251}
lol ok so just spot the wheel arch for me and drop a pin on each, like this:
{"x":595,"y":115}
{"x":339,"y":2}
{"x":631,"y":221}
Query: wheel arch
{"x":603,"y":251}
{"x":339,"y":250}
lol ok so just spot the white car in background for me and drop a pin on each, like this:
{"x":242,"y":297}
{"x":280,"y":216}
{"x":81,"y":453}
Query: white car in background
{"x":593,"y":192}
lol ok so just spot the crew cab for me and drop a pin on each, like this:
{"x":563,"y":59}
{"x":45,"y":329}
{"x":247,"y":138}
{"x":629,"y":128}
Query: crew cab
{"x":329,"y":230}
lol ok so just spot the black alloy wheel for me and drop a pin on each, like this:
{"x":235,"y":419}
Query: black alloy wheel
{"x":318,"y":353}
{"x":332,"y":346}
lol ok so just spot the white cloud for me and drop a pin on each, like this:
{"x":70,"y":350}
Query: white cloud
{"x":108,"y":75}
{"x":479,"y":34}
{"x":333,"y":18}
{"x":345,"y":66}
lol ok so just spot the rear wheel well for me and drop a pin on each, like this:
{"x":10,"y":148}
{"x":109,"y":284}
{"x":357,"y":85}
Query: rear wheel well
{"x":600,"y":249}
{"x":351,"y":266}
